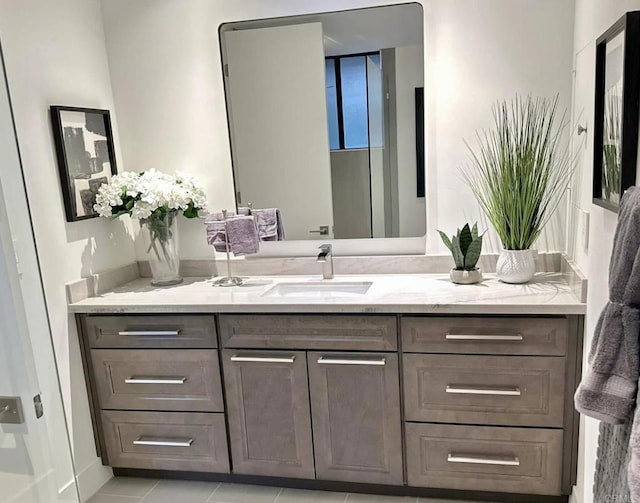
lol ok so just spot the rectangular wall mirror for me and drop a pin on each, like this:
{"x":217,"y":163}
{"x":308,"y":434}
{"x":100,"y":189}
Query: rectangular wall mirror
{"x":322,"y":120}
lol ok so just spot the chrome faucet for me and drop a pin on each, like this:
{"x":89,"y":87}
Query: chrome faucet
{"x":326,"y":258}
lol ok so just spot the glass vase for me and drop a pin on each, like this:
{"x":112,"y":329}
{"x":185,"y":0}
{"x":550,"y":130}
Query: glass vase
{"x":163,"y":255}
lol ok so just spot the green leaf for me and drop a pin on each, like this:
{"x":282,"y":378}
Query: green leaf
{"x":465,"y":239}
{"x":458,"y":257}
{"x":474,"y":231}
{"x":473,"y":254}
{"x":445,"y":240}
{"x":190,"y":212}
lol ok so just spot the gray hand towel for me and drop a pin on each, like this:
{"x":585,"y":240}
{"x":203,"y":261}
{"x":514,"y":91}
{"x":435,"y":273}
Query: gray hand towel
{"x":243,"y":235}
{"x":269,"y":222}
{"x":608,"y":388}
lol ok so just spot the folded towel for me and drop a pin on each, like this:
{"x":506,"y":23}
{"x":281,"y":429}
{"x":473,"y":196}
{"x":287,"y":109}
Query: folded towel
{"x":269,"y":222}
{"x":243,"y":235}
{"x":217,"y":235}
{"x":609,"y":385}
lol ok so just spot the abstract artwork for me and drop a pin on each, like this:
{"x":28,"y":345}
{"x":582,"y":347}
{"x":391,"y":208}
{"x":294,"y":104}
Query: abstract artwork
{"x":86,"y":157}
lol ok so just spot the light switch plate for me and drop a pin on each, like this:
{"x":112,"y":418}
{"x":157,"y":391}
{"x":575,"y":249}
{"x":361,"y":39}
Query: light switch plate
{"x":584,"y":231}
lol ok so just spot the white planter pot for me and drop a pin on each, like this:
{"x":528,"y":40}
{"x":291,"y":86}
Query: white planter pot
{"x":465,"y":277}
{"x":515,"y":266}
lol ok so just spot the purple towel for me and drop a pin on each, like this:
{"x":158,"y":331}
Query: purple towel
{"x":216,"y":231}
{"x":243,"y":235}
{"x":269,"y":222}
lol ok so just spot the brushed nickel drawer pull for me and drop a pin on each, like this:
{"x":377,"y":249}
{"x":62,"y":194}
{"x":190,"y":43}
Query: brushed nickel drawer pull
{"x":465,"y":390}
{"x":347,"y":361}
{"x":150,"y":333}
{"x":483,"y":460}
{"x":155,"y":380}
{"x":164,"y":442}
{"x":264,"y":359}
{"x":478,"y":337}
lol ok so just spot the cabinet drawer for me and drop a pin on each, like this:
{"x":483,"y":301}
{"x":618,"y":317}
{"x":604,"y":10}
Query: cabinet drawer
{"x":151,"y":331}
{"x":367,"y":333}
{"x":474,"y":335}
{"x":501,"y":390}
{"x":158,"y":379}
{"x":518,"y":460}
{"x":166,"y":441}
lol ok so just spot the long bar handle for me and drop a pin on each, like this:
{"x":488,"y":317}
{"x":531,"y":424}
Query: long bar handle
{"x":483,"y":460}
{"x":155,"y":380}
{"x":263,"y":359}
{"x":159,"y":442}
{"x":348,"y":361}
{"x":150,"y":333}
{"x":488,"y":337}
{"x":468,"y":390}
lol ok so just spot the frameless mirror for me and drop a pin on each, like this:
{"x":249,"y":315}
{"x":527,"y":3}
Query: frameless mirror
{"x":323,"y":111}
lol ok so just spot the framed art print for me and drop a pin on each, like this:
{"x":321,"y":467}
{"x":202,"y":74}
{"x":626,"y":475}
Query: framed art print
{"x":86,"y":156}
{"x":616,"y":111}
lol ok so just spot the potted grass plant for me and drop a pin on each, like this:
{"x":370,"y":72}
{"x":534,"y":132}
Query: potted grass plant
{"x":465,"y":246}
{"x":519,"y":174}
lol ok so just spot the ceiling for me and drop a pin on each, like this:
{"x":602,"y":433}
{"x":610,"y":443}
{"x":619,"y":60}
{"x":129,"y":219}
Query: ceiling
{"x":356,"y":31}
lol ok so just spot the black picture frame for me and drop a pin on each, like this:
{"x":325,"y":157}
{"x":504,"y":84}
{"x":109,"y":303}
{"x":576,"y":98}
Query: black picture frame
{"x":617,"y":95}
{"x":419,"y":99}
{"x":86,"y":156}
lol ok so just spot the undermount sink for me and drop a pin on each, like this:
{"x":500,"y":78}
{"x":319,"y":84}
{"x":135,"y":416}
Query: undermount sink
{"x":321,"y":289}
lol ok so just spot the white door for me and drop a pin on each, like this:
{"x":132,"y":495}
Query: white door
{"x":278,"y":115}
{"x":35,"y":453}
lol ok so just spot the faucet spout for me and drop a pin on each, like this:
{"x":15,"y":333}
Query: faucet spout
{"x":325,"y":257}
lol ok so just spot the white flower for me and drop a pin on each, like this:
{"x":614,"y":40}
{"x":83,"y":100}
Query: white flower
{"x":149,"y":191}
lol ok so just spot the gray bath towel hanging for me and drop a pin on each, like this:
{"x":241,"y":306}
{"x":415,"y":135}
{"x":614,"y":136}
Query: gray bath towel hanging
{"x":609,"y":387}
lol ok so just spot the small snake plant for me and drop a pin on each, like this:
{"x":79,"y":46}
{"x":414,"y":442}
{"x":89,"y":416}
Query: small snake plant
{"x":465,"y":247}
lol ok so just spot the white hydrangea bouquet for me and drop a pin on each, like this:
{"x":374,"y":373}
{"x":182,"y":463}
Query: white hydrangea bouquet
{"x":155,"y":199}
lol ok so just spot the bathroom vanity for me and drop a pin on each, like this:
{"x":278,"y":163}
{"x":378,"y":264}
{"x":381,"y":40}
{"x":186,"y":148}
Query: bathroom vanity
{"x":416,"y":386}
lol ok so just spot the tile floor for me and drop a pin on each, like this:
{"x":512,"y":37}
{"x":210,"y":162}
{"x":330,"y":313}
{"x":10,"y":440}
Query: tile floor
{"x":137,"y":490}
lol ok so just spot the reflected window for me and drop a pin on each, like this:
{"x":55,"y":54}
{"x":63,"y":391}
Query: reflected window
{"x":348,"y":101}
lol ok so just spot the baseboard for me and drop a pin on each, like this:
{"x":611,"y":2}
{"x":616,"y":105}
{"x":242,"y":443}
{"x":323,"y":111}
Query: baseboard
{"x":92,"y":478}
{"x":575,"y":496}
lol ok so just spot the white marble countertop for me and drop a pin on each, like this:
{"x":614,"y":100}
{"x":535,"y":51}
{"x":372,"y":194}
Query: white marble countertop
{"x":547,"y":293}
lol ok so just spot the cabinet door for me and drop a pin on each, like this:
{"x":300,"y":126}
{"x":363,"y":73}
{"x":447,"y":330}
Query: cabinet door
{"x":268,"y":409}
{"x":355,"y":403}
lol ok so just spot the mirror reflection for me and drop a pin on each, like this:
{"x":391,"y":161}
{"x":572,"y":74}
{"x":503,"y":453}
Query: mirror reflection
{"x":323,"y":111}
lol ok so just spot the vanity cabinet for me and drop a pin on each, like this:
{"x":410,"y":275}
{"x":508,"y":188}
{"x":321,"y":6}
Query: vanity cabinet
{"x":488,"y":402}
{"x":352,"y":397}
{"x":269,"y":413}
{"x":156,"y":393}
{"x":478,"y":403}
{"x":355,"y":404}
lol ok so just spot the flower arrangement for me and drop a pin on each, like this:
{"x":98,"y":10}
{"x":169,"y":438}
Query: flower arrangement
{"x":143,"y":195}
{"x":155,"y":199}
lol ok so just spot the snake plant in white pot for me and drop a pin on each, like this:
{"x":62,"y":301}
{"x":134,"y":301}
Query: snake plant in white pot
{"x":519,"y":175}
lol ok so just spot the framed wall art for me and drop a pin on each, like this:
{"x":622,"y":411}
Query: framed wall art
{"x":617,"y":92}
{"x":86,"y":157}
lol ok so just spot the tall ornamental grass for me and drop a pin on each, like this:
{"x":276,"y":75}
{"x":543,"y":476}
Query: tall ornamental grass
{"x":521,"y":168}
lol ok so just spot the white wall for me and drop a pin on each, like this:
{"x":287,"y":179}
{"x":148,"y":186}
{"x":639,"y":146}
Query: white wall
{"x":477,"y":53}
{"x":55,"y":55}
{"x":592,"y":18}
{"x":409,"y":75}
{"x":167,"y":82}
